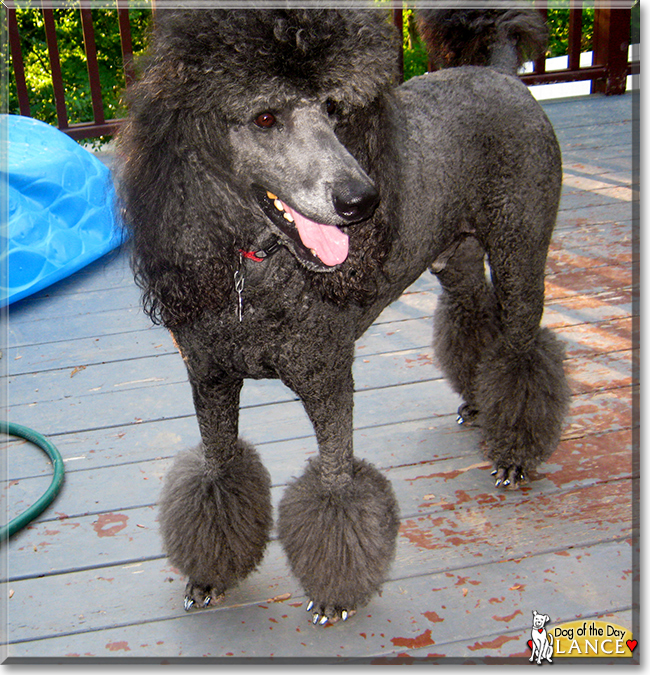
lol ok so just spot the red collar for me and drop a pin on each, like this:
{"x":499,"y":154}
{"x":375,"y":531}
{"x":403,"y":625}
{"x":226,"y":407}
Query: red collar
{"x":263,"y":253}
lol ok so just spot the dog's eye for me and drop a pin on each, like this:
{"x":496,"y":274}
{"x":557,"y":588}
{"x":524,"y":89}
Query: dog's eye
{"x":265,"y":120}
{"x":330,"y":106}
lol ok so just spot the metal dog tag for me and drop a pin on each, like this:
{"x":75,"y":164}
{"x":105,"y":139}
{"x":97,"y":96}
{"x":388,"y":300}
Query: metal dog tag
{"x":239,"y":287}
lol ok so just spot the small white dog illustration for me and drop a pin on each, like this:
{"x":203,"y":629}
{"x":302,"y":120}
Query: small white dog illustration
{"x":541,"y":647}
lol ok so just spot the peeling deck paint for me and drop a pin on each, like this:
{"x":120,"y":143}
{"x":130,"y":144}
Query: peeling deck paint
{"x":471,"y":562}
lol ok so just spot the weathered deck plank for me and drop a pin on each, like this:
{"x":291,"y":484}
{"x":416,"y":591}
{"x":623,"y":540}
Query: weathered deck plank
{"x":85,"y":366}
{"x":481,"y":604}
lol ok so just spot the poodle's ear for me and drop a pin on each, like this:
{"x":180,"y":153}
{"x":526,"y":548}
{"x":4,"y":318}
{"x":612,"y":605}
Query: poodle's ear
{"x":178,"y":285}
{"x":175,"y":210}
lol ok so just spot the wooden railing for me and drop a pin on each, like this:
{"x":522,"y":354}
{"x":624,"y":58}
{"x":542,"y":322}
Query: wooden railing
{"x":99,"y":126}
{"x":607,"y":73}
{"x":610,"y":66}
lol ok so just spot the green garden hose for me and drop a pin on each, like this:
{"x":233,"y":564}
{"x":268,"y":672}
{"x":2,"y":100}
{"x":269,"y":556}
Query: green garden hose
{"x":48,"y":496}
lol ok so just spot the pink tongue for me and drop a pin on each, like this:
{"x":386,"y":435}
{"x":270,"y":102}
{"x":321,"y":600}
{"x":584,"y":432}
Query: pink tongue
{"x":326,"y":241}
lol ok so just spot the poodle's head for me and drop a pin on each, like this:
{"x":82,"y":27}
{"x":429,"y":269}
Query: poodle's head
{"x":257,"y":121}
{"x":275,"y":90}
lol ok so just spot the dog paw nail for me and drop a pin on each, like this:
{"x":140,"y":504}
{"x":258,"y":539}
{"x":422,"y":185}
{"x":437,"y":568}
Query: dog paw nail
{"x":506,"y":482}
{"x":344,"y":615}
{"x":207,"y":601}
{"x":310,"y":604}
{"x":323,"y":621}
{"x":459,"y":419}
{"x":497,"y":482}
{"x":187,"y":604}
{"x":494,"y":473}
{"x":315,"y":618}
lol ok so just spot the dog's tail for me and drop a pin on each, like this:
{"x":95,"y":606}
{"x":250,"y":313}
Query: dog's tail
{"x":503,"y":39}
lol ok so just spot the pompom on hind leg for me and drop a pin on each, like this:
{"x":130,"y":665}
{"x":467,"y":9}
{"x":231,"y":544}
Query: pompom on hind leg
{"x":215,"y":520}
{"x":523,"y":398}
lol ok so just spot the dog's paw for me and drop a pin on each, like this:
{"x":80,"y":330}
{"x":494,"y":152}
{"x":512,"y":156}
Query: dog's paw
{"x":509,"y":476}
{"x":340,"y":540}
{"x":323,"y":614}
{"x":200,"y":596}
{"x":467,"y":415}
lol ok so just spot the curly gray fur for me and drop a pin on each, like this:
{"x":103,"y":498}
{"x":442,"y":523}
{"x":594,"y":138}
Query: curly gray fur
{"x":464,"y":163}
{"x":215,"y":524}
{"x":521,"y":395}
{"x":339,"y":543}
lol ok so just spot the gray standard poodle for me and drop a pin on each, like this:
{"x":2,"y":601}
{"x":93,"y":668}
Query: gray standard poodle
{"x":281,"y":188}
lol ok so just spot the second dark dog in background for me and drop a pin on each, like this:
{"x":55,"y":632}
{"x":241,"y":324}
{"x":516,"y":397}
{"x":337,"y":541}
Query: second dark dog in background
{"x":503,"y":39}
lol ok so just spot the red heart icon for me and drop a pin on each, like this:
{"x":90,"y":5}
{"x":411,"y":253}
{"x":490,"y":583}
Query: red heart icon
{"x":540,"y":630}
{"x":632,"y":644}
{"x":530,"y":644}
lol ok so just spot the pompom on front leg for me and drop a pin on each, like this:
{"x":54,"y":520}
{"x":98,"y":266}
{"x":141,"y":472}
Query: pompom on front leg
{"x":340,"y":540}
{"x":215,"y":521}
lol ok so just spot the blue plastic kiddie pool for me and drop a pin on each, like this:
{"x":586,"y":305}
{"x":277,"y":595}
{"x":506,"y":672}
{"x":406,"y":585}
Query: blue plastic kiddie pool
{"x":60,"y":207}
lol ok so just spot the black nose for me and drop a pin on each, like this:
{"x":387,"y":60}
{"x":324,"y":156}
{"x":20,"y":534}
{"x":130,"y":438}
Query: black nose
{"x":354,"y":200}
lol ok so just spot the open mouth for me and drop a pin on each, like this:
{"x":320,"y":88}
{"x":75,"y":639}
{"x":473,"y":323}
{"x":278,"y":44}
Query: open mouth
{"x":325,"y":246}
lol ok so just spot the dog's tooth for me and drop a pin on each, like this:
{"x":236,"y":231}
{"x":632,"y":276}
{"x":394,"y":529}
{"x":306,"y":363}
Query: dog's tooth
{"x":288,"y":216}
{"x":278,"y":205}
{"x":270,"y":195}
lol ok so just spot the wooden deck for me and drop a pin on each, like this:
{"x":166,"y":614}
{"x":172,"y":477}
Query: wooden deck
{"x":85,"y":367}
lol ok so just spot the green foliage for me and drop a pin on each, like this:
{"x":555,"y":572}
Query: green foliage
{"x":70,"y":41}
{"x":635,"y":28}
{"x":558,"y":29}
{"x":415,"y":53}
{"x":109,"y":55}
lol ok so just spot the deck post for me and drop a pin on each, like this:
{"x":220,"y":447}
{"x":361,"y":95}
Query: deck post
{"x":18,"y":63}
{"x":126,"y":41}
{"x":55,"y":64}
{"x":575,"y":34}
{"x":611,"y":42}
